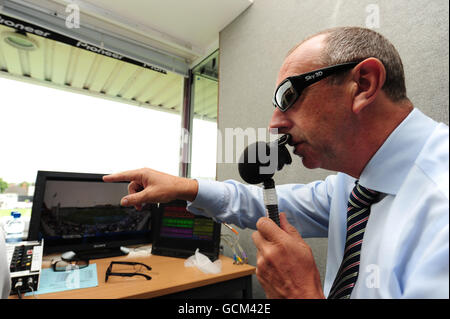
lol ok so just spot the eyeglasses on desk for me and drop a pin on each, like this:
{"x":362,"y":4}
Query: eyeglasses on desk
{"x":136,"y":270}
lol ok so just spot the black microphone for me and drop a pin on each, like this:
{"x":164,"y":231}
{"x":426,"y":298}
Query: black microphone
{"x":258,"y":164}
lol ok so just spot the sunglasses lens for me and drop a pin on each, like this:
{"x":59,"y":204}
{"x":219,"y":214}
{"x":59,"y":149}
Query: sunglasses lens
{"x":285,"y":95}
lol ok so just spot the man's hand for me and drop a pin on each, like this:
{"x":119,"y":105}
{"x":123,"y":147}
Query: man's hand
{"x":285,"y":266}
{"x":150,"y":186}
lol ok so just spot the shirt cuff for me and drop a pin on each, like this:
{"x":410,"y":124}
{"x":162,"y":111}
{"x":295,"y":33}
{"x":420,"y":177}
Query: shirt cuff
{"x":210,"y":198}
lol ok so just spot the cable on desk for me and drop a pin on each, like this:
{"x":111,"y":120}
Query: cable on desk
{"x":30,"y":285}
{"x":239,"y":255}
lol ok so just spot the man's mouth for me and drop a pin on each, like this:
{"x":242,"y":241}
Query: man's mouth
{"x":293,"y":143}
{"x":296,"y":146}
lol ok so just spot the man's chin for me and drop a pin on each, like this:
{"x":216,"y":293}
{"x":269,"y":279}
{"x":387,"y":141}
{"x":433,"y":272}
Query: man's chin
{"x":310,"y":164}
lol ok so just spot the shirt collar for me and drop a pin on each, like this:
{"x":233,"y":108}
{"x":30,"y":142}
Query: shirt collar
{"x":390,"y":165}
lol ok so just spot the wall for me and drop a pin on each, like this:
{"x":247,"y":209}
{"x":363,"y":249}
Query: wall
{"x":253,"y":46}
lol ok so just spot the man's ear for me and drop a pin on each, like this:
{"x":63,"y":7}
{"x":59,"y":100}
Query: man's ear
{"x":369,"y":77}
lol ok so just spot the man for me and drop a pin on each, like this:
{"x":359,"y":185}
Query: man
{"x":341,"y":96}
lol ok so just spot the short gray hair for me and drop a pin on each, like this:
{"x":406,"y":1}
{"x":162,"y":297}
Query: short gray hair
{"x":355,"y":44}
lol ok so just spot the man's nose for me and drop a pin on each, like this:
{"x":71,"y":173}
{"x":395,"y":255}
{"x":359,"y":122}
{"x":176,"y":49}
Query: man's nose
{"x":279,"y":122}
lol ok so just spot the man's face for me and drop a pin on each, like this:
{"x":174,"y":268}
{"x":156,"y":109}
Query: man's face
{"x":319,"y":121}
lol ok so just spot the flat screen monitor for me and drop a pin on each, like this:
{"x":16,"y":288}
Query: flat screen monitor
{"x":80,"y":212}
{"x":178,"y":233}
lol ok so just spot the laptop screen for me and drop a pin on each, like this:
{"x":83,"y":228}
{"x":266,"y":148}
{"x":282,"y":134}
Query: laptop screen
{"x":178,"y":233}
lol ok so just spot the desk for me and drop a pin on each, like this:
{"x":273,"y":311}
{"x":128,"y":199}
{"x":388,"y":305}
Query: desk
{"x":170,"y":279}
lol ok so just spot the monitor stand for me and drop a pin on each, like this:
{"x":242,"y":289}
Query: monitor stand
{"x":100,"y":253}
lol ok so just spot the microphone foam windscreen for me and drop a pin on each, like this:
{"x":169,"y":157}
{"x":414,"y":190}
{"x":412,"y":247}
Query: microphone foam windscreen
{"x":255,"y":164}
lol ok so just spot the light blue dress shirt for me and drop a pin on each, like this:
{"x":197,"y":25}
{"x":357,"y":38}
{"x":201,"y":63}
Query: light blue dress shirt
{"x":405,"y":252}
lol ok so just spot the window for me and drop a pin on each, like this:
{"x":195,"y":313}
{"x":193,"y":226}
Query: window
{"x":49,"y":129}
{"x":204,"y":103}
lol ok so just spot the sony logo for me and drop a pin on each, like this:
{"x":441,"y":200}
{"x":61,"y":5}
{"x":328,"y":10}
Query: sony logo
{"x":99,"y":245}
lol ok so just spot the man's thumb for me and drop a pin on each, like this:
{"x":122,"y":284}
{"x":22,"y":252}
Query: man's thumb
{"x":288,"y":228}
{"x":133,"y":199}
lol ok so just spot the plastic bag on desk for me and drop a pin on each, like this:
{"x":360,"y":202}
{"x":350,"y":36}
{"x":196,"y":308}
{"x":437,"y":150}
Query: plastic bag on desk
{"x":203,"y":263}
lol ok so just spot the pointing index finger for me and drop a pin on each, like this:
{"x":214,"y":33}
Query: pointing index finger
{"x":125,"y":176}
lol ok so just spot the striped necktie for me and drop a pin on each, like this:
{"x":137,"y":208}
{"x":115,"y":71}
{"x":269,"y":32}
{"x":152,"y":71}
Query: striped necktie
{"x":358,"y":210}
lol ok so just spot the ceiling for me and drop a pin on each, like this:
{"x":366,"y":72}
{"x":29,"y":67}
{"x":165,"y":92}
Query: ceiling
{"x":63,"y":66}
{"x":190,"y":24}
{"x":187,"y":30}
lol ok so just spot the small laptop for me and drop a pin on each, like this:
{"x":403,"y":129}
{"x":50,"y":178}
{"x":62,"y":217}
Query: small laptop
{"x":178,"y":233}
